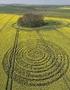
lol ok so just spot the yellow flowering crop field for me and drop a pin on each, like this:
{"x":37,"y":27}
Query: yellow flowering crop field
{"x":42,"y":55}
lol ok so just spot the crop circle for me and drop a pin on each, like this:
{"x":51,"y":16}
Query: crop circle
{"x":38,"y":63}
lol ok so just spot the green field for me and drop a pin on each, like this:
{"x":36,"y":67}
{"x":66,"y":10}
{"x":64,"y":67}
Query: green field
{"x":40,"y":52}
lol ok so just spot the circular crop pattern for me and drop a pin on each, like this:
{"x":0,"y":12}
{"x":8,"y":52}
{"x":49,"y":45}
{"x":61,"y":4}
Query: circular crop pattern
{"x":50,"y":24}
{"x":38,"y":63}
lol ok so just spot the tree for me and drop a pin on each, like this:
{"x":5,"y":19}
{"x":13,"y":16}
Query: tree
{"x":31,"y":20}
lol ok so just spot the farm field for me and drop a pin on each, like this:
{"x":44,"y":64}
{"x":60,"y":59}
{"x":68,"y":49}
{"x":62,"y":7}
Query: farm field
{"x":53,"y":43}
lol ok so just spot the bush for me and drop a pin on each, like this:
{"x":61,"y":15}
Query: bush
{"x":31,"y":20}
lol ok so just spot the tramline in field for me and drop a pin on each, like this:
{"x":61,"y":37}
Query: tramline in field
{"x":41,"y":56}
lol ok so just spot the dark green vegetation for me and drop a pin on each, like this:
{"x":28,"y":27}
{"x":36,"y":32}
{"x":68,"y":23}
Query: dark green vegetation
{"x":48,"y":10}
{"x":31,"y":20}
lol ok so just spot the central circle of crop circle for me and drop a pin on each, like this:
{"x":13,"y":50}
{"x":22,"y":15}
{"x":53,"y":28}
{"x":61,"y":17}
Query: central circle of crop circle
{"x":35,"y":54}
{"x":37,"y":63}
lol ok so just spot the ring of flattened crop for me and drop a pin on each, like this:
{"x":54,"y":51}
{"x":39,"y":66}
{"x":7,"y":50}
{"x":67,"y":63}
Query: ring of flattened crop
{"x":38,"y":63}
{"x":50,"y":25}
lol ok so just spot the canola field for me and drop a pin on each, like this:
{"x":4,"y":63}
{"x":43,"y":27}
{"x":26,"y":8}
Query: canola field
{"x":42,"y":58}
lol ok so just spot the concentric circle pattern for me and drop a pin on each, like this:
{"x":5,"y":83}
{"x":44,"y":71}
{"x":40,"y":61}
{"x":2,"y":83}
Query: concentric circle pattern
{"x":37,"y":63}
